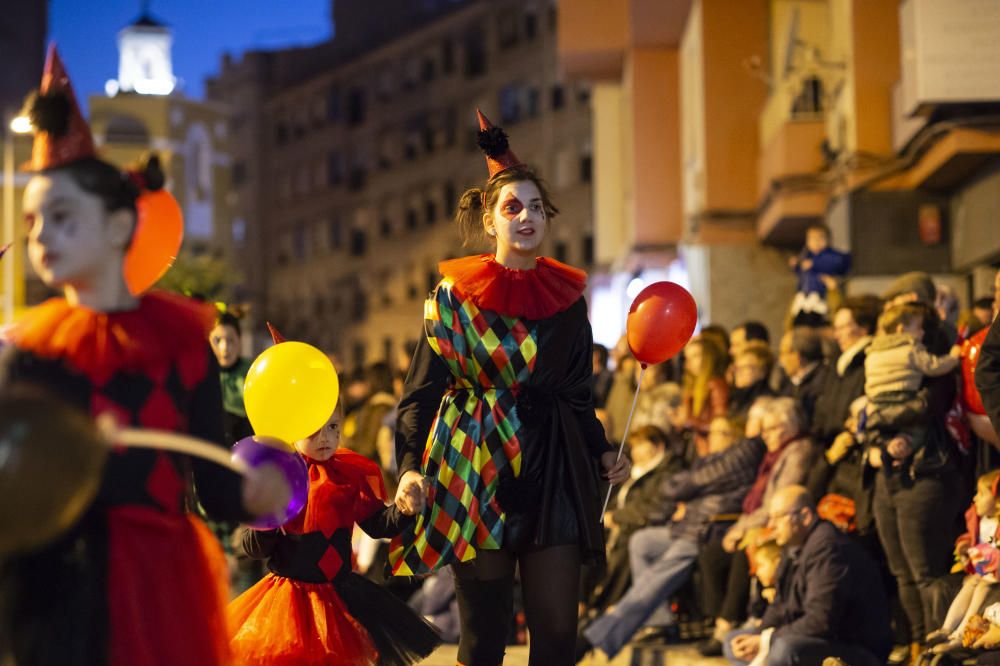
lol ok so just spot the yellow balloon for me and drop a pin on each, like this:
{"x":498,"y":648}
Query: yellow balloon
{"x":290,"y":391}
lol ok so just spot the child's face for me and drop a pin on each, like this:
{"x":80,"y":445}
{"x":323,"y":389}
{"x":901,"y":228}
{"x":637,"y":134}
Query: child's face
{"x":984,"y":501}
{"x":816,"y":241}
{"x":767,"y":567}
{"x":720,"y":435}
{"x":915,"y":328}
{"x":324,"y":442}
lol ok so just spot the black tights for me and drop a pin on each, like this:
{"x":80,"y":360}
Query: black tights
{"x":550,"y":581}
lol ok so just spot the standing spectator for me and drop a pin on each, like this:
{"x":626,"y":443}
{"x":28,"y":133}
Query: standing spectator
{"x":800,"y":354}
{"x":853,"y":327}
{"x":918,"y":287}
{"x":750,"y":371}
{"x":988,"y":367}
{"x":818,"y":266}
{"x":705,"y":392}
{"x":982,"y":310}
{"x":371,"y":414}
{"x":946,"y":305}
{"x":659,"y":402}
{"x":619,"y":400}
{"x":602,"y":376}
{"x":829,"y":600}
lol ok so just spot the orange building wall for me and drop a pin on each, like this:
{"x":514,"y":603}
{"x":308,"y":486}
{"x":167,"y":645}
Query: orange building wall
{"x":733,"y":31}
{"x":653,"y":81}
{"x":875,"y":67}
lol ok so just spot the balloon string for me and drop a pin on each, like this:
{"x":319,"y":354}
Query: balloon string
{"x":621,"y":447}
{"x":171,"y":441}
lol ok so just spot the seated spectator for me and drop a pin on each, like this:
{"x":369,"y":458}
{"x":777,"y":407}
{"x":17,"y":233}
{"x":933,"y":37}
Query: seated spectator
{"x":765,"y":560}
{"x":828,"y":602}
{"x":745,"y":333}
{"x":725,"y":571}
{"x":800,"y":354}
{"x":602,"y":376}
{"x":750,"y":371}
{"x":705,"y":392}
{"x":658,"y":403}
{"x":662,"y":557}
{"x":634,"y":506}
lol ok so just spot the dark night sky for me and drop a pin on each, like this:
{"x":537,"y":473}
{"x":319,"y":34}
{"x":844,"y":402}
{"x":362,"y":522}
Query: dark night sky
{"x":86,"y":30}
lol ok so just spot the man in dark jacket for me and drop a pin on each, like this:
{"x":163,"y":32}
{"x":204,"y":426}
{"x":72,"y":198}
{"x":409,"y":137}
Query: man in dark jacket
{"x":714,"y":485}
{"x":829,"y":599}
{"x":800,"y":354}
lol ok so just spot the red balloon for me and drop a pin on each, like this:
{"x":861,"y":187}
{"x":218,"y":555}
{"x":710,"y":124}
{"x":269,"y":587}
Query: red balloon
{"x":660,"y":322}
{"x":159,"y":230}
{"x":971,"y":399}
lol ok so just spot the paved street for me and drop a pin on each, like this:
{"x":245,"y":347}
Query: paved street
{"x":678,"y":655}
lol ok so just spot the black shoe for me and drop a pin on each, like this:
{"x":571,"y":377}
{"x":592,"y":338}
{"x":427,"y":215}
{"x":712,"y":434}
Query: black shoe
{"x":583,"y":647}
{"x":710,"y":647}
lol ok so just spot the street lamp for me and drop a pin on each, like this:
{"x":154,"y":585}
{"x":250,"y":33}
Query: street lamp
{"x":17,"y":125}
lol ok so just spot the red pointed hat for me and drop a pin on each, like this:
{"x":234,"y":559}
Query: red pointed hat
{"x":493,"y":141}
{"x":62,"y":136}
{"x":275,"y":334}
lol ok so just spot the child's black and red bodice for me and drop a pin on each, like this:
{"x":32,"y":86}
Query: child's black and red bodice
{"x":311,"y":608}
{"x":138,"y":580}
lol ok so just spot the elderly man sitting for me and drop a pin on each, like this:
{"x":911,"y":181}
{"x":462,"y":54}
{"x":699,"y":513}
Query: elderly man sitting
{"x":829,"y":600}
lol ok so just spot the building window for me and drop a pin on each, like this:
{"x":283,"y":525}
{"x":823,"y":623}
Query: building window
{"x":583,"y":95}
{"x":427,"y":134}
{"x":239,"y":231}
{"x":239,"y":173}
{"x":334,"y":169}
{"x":531,"y":104}
{"x":359,"y":346}
{"x":475,"y":55}
{"x":427,"y":70}
{"x":530,"y":25}
{"x":561,"y":251}
{"x":449,"y":196}
{"x":588,"y":250}
{"x":510,"y":105}
{"x":430,"y":212}
{"x":359,"y":242}
{"x":411,"y":219}
{"x":586,"y":168}
{"x":357,"y":179}
{"x":356,"y":106}
{"x":333,"y":104}
{"x":447,"y":56}
{"x":335,"y":234}
{"x":431,"y":280}
{"x":385,"y":227}
{"x":299,"y":243}
{"x":281,"y":133}
{"x":553,"y":19}
{"x":507,"y":29}
{"x":558,"y":97}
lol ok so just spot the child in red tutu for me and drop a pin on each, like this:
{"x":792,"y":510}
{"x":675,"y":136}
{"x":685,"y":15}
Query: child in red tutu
{"x":311,"y":608}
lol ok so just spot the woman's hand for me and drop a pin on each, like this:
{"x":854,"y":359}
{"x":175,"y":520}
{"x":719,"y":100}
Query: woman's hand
{"x":731,"y":540}
{"x":265,"y":490}
{"x":411,"y":493}
{"x":616,"y":470}
{"x":899,"y":447}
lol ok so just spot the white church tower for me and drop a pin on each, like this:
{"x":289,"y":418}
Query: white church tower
{"x":144,"y":61}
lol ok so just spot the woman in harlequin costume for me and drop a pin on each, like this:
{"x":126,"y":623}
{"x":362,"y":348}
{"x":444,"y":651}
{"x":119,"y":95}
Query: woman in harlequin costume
{"x":311,"y":609}
{"x":498,"y":446}
{"x":137,"y":580}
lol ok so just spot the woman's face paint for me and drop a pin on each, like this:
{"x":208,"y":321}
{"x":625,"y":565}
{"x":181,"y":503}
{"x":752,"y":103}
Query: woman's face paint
{"x":518,"y":220}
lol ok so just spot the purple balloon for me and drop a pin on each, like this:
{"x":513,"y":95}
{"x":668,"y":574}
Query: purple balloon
{"x":256,"y":451}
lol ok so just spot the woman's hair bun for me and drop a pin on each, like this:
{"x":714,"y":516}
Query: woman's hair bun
{"x":152,"y":172}
{"x":49,"y":112}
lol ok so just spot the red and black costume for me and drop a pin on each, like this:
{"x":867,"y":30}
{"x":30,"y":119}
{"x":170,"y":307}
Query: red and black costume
{"x":138,"y":580}
{"x":311,"y":609}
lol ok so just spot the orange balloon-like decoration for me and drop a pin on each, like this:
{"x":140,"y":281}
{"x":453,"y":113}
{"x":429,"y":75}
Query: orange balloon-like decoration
{"x":159,"y":230}
{"x":660,"y":322}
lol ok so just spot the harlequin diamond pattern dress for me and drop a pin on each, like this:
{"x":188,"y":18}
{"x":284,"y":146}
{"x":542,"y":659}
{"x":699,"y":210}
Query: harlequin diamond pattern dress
{"x":497,"y":413}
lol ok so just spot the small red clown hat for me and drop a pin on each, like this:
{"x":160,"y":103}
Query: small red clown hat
{"x":275,"y":334}
{"x":62,"y":136}
{"x":493,"y":141}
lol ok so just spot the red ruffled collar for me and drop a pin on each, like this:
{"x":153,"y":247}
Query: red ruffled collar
{"x":163,"y":331}
{"x":537,"y":293}
{"x":344,"y":489}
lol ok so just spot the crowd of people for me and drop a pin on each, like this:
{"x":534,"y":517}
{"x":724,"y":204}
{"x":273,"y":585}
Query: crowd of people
{"x":846,"y":450}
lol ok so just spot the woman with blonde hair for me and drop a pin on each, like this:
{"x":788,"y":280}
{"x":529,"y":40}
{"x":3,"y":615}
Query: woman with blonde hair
{"x":705,"y":394}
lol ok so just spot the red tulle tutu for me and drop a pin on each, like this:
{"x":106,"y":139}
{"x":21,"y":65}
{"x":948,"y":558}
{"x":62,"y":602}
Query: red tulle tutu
{"x":280,"y":621}
{"x":167,"y":590}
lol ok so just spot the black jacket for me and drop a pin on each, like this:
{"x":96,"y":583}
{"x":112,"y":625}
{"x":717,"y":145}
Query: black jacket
{"x":830,"y":589}
{"x":643,"y":505}
{"x":807,"y":392}
{"x":834,"y":401}
{"x":988,"y":374}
